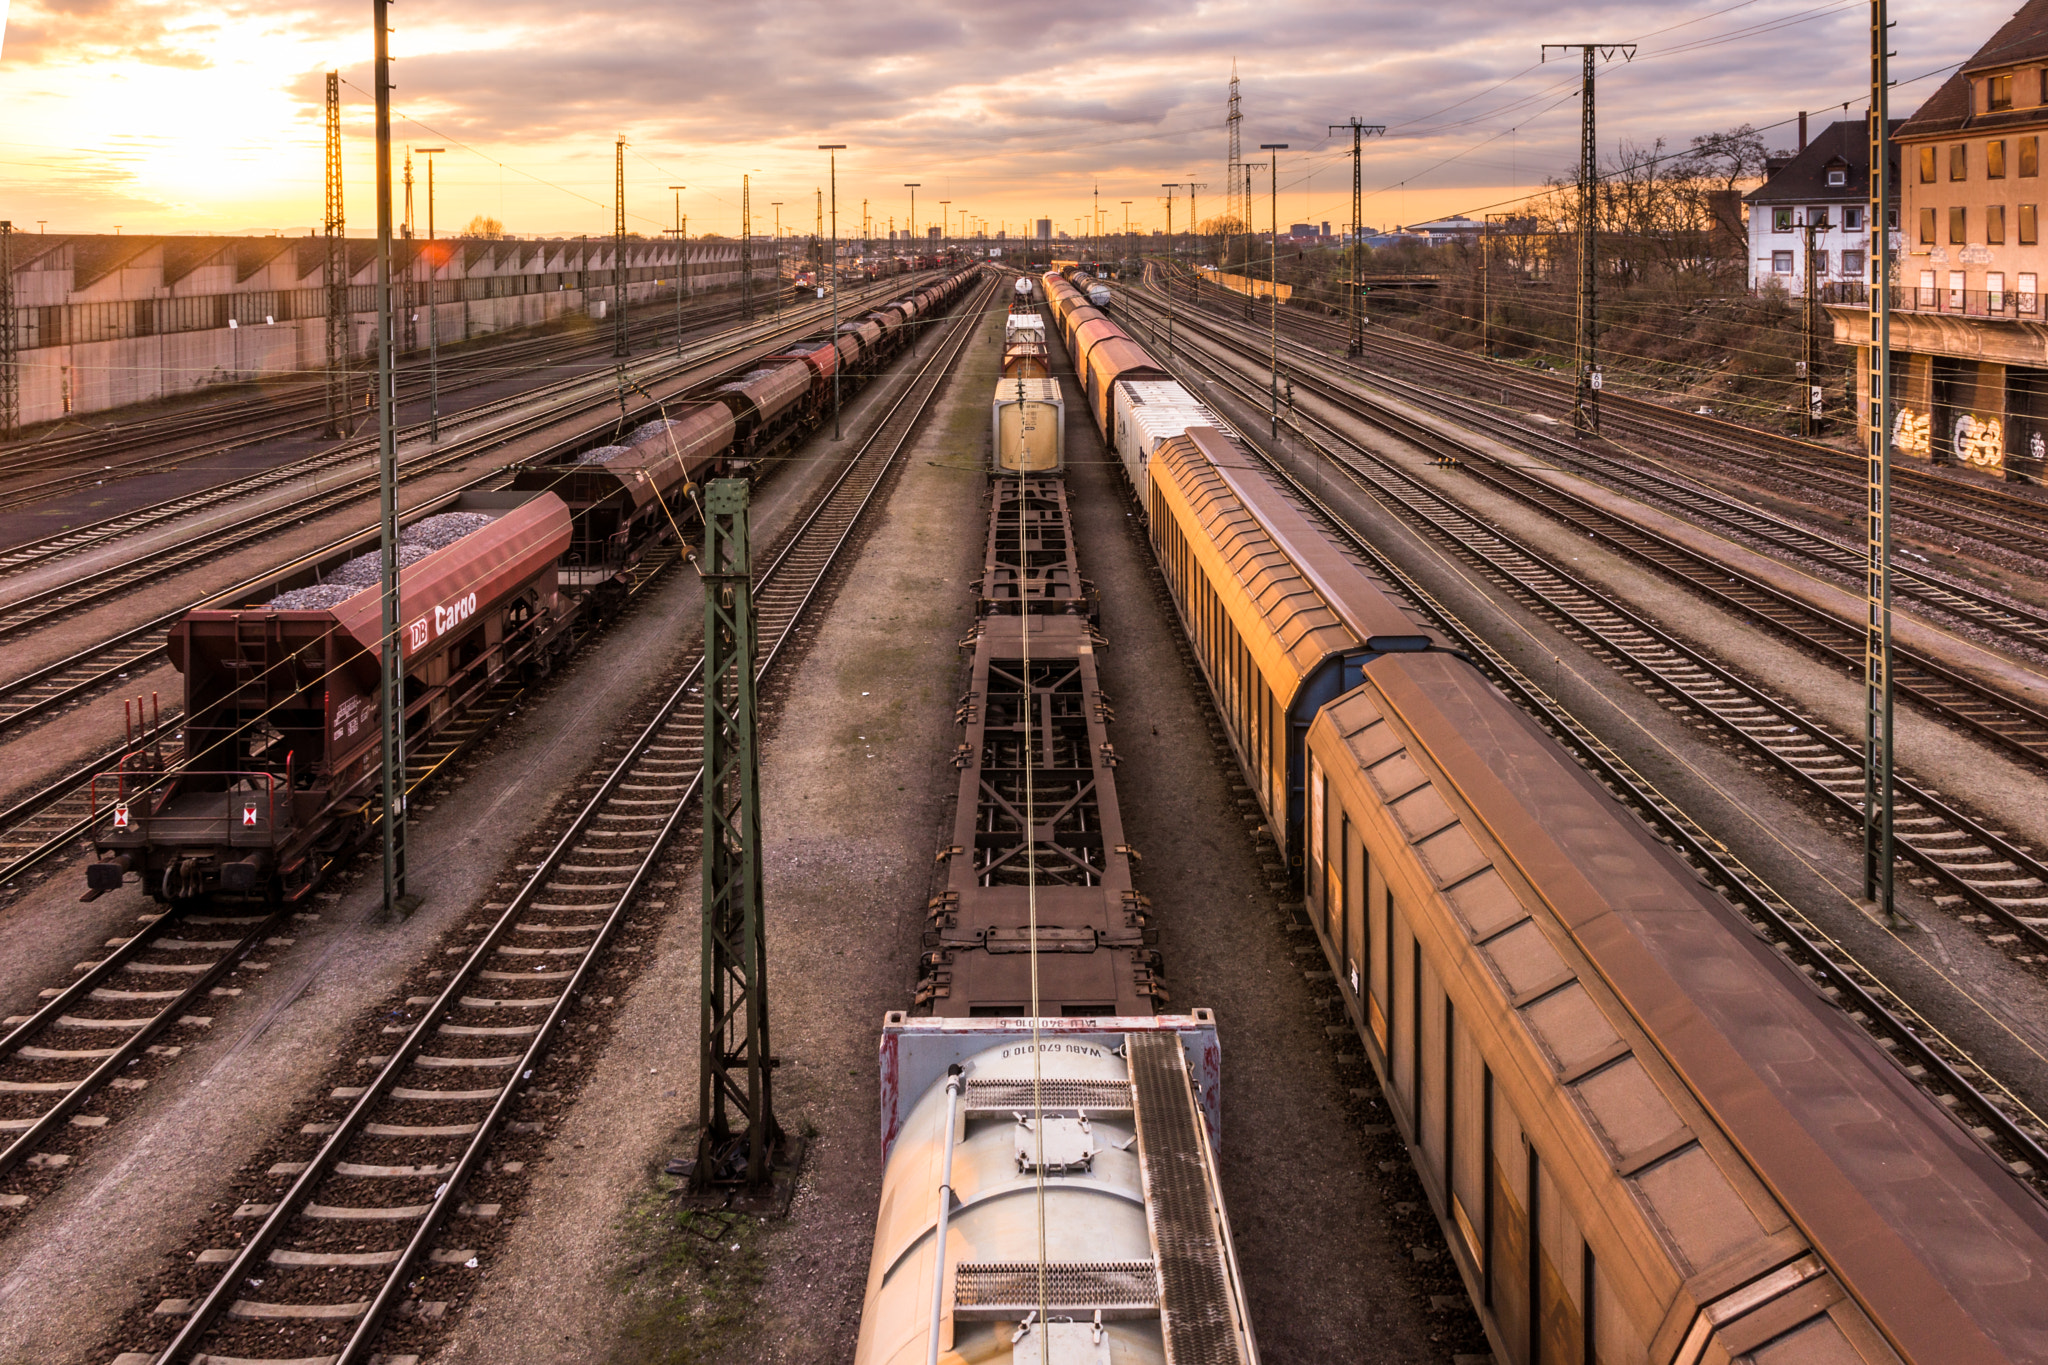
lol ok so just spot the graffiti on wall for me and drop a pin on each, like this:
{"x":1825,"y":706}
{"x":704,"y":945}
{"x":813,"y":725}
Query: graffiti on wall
{"x":1978,"y":440}
{"x":1971,"y":439}
{"x":1910,"y":432}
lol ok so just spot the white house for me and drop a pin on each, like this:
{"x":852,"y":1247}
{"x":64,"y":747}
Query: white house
{"x":1826,"y":184}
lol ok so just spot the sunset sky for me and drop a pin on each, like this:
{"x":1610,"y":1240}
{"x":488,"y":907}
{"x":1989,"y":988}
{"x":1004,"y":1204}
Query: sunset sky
{"x":167,"y":116}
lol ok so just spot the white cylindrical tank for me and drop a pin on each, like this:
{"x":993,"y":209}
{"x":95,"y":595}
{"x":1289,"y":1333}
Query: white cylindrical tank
{"x":1094,"y":1214}
{"x":1024,"y":286}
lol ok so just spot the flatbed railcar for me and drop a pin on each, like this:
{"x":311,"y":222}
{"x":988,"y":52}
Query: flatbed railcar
{"x":274,"y":781}
{"x":1648,"y":1138}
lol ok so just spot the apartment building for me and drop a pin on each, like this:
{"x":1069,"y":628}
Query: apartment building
{"x":1969,"y":335}
{"x":1824,"y":186}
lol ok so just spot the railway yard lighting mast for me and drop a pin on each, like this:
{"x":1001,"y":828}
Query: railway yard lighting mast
{"x":1359,"y":132}
{"x":433,"y":300}
{"x":833,"y":149}
{"x":1169,"y":186}
{"x":682,"y":265}
{"x":10,"y":383}
{"x":390,"y":714}
{"x":1273,"y":281}
{"x":1126,"y":251}
{"x":910,"y":232}
{"x":1586,"y":400}
{"x":945,"y":223}
{"x":620,"y":346}
{"x":335,"y":273}
{"x":778,"y":255}
{"x":1877,"y":668}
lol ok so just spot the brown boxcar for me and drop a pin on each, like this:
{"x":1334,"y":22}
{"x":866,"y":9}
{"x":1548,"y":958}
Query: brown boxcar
{"x":1648,"y":1137}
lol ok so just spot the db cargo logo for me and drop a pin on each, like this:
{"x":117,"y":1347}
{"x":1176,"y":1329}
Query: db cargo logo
{"x":449,"y":617}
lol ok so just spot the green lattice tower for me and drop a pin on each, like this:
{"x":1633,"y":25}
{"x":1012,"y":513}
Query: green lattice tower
{"x":735,"y":1069}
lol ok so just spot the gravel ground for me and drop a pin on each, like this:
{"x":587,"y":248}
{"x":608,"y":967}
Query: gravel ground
{"x":83,"y":1257}
{"x":1987,"y":996}
{"x":855,"y":792}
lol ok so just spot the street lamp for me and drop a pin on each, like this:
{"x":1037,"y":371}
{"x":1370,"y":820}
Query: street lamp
{"x":1274,"y":277}
{"x":945,"y":223}
{"x":911,"y":231}
{"x":682,"y":265}
{"x":433,"y":314}
{"x":1124,"y":249}
{"x":778,"y":256}
{"x":835,"y":148}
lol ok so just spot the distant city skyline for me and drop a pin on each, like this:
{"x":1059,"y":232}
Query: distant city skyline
{"x":169,"y":118}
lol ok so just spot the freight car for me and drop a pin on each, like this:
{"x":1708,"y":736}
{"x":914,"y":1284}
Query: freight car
{"x":282,"y":731}
{"x":282,"y":708}
{"x":1647,"y":1137}
{"x":1119,"y":1120}
{"x":1029,"y":417}
{"x":1037,"y":834}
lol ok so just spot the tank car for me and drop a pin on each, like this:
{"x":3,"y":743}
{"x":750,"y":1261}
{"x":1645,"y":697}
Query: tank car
{"x":1121,"y":1121}
{"x":282,"y":710}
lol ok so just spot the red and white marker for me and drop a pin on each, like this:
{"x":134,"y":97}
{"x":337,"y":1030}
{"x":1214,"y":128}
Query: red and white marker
{"x":249,"y":817}
{"x":121,"y":816}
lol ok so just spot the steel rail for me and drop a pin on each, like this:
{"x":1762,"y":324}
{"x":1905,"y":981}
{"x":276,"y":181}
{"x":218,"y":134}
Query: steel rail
{"x":671,"y":719}
{"x":529,"y":354}
{"x":1878,"y":1008}
{"x":2005,"y":720}
{"x":2012,"y":885}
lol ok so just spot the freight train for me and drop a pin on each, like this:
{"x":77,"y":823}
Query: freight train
{"x":1646,"y":1136}
{"x":1034,"y":1073}
{"x":278,"y":774}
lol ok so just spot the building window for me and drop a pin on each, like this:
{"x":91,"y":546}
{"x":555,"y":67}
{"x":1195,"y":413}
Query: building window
{"x":2030,"y":156}
{"x":1852,"y":218}
{"x":2030,"y":230}
{"x":1958,"y":227}
{"x":1994,"y":225}
{"x":1927,"y":227}
{"x":1781,"y":262}
{"x":1955,"y":290}
{"x":1959,"y":161}
{"x":1927,"y":165}
{"x":1838,"y":177}
{"x":1994,"y":160}
{"x":1994,"y":289}
{"x":1998,"y":92}
{"x":1781,"y":220}
{"x":1820,"y":264}
{"x":2026,"y":291}
{"x":1891,"y":220}
{"x":1852,"y":265}
{"x":1818,"y":217}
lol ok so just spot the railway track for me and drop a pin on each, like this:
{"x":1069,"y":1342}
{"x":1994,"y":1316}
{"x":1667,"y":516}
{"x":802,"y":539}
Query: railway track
{"x":168,"y":441}
{"x":2014,"y":623}
{"x":392,"y":1170}
{"x":1992,"y":1113}
{"x":76,"y":541}
{"x":39,"y":691}
{"x":168,"y":968}
{"x":1995,"y":715}
{"x":1943,"y":506}
{"x":1967,"y":861}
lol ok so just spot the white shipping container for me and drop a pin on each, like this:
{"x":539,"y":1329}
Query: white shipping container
{"x":1148,"y":411}
{"x":1029,"y":420}
{"x":1024,"y":327}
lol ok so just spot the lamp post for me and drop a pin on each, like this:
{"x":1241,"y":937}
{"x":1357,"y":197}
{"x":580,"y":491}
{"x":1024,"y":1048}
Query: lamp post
{"x":945,"y":223}
{"x":911,"y":231}
{"x":682,"y":266}
{"x":778,"y":256}
{"x":433,"y":313}
{"x":1169,"y":186}
{"x":1124,"y":250}
{"x":833,"y":149}
{"x":1273,"y":274}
